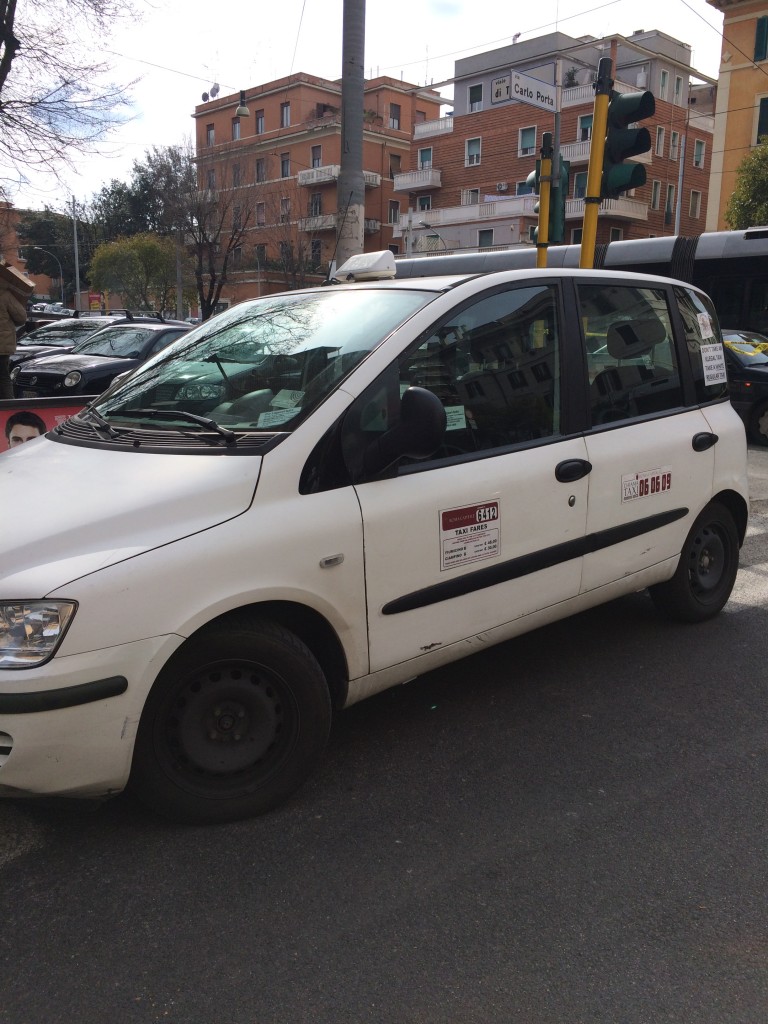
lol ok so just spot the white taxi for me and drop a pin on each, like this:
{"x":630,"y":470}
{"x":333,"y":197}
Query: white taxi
{"x":323,"y":493}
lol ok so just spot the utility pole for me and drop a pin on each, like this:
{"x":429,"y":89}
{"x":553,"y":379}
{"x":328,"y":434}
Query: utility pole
{"x":350,"y":218}
{"x":77,"y":258}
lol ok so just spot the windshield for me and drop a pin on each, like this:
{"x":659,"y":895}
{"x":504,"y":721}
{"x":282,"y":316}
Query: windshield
{"x":746,"y":352}
{"x":264,"y":364}
{"x":123,"y":342}
{"x":61,"y":333}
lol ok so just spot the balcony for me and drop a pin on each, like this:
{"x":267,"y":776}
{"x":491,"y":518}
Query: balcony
{"x":425,"y":130}
{"x":619,"y":209}
{"x":322,"y":222}
{"x":502,"y":209}
{"x":417,"y":181}
{"x":329,"y":173}
{"x":371,"y":226}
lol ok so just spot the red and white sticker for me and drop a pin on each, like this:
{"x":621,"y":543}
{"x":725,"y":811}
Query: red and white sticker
{"x":645,"y":483}
{"x":469,"y":534}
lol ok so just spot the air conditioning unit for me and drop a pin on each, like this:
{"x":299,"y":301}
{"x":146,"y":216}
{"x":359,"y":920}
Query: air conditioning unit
{"x":502,"y":186}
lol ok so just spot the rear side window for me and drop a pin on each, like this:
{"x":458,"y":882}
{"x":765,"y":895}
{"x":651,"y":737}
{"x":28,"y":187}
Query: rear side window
{"x":704,"y":344}
{"x":631,"y":359}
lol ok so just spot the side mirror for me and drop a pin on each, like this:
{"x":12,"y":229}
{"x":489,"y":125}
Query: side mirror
{"x":417,"y":435}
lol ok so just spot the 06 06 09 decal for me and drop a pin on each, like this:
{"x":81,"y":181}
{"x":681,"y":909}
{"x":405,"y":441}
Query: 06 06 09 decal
{"x":645,"y":483}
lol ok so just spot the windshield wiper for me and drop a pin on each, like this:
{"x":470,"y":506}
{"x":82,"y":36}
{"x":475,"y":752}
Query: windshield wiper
{"x":178,"y":414}
{"x":101,"y":426}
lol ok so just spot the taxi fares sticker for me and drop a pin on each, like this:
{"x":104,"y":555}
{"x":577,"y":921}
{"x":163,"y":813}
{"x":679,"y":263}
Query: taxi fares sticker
{"x":645,"y":483}
{"x":469,"y":534}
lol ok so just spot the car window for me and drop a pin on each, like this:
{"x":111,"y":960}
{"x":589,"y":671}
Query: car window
{"x":125,"y":342}
{"x":704,"y":344}
{"x":494,"y":365}
{"x":631,"y":357}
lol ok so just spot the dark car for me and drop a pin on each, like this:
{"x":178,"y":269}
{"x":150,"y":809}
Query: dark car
{"x":747,"y":356}
{"x":57,"y":337}
{"x":93,"y":364}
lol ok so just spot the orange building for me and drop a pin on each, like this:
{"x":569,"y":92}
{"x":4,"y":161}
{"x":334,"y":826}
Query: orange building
{"x":741,"y":114}
{"x":277,"y":169}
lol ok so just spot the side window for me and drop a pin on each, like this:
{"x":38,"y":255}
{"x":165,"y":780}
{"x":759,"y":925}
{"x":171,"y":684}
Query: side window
{"x":704,"y":344}
{"x":494,"y":365}
{"x":630,"y":352}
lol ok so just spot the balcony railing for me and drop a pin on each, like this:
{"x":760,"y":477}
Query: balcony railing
{"x":515,"y":206}
{"x":330,"y":172}
{"x":321,"y":222}
{"x":624,"y":209}
{"x":441,"y":126}
{"x":415,"y":181}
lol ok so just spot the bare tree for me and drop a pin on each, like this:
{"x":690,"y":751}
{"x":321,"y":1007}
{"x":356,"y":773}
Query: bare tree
{"x":55,"y":99}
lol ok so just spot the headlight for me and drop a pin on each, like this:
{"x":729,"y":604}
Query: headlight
{"x":30,"y":631}
{"x":72,"y":378}
{"x":200,"y":392}
{"x":15,"y":372}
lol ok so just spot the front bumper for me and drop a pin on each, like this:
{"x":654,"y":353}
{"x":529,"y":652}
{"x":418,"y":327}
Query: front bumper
{"x":68,"y":728}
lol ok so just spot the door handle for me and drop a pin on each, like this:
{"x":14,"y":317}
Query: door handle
{"x":572,"y":469}
{"x":704,"y":441}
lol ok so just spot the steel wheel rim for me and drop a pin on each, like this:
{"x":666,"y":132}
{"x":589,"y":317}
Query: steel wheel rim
{"x":707,"y":561}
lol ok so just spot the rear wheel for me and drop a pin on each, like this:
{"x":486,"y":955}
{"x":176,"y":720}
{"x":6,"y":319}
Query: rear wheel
{"x":233,"y":725}
{"x":705,"y":575}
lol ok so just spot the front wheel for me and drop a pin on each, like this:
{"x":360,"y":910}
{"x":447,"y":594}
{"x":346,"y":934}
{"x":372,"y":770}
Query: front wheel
{"x":705,"y":575}
{"x":233,"y":725}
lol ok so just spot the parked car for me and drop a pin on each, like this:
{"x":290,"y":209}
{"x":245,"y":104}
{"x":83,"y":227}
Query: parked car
{"x":746,"y":353}
{"x":320,"y":494}
{"x":57,"y":337}
{"x":93,"y":364}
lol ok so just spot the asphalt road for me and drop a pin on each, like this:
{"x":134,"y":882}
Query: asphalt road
{"x":567,"y":828}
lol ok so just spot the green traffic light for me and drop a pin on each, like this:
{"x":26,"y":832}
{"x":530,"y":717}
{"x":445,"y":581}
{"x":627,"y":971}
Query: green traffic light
{"x":622,"y":142}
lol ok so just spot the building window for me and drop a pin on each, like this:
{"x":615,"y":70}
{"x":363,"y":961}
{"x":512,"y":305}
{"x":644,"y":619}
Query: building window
{"x":286,"y":252}
{"x":210,"y":135}
{"x":531,"y":232}
{"x":762,"y":120}
{"x":674,"y":144}
{"x":698,"y":153}
{"x":580,"y":185}
{"x":616,"y":235}
{"x":285,"y":210}
{"x":285,"y":165}
{"x":669,"y":206}
{"x":316,"y":249}
{"x":522,"y":188}
{"x":425,"y":158}
{"x":236,"y":176}
{"x":317,"y":156}
{"x":235,"y":129}
{"x":211,"y":179}
{"x":678,"y":98}
{"x":475,"y":97}
{"x":694,"y":208}
{"x":424,"y":203}
{"x":394,"y":164}
{"x":585,"y":127}
{"x":394,"y":248}
{"x":659,"y":141}
{"x":472,"y":152}
{"x":663,"y":85}
{"x":261,"y":169}
{"x":260,"y":252}
{"x":485,"y":238}
{"x":261,"y":214}
{"x":285,"y":115}
{"x":655,"y":194}
{"x":315,"y":204}
{"x":259,"y":122}
{"x":394,"y":212}
{"x":470,"y":196}
{"x":576,"y":234}
{"x":394,"y":116}
{"x":237,"y":257}
{"x":526,"y":142}
{"x":761,"y":38}
{"x":237,"y":218}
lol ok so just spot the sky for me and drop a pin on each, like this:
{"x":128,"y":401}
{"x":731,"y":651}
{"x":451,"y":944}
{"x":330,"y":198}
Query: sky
{"x":177,"y":49}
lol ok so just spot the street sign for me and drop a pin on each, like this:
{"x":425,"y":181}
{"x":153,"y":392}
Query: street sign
{"x":531,"y":90}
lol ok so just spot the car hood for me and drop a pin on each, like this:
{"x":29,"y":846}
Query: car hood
{"x":68,"y":361}
{"x":69,"y":511}
{"x":26,"y":352}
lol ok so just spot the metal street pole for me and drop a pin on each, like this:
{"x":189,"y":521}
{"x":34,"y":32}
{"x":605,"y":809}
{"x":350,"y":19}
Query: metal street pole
{"x":77,"y":258}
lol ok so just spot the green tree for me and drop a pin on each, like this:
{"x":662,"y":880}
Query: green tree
{"x":141,"y":268}
{"x":748,"y":204}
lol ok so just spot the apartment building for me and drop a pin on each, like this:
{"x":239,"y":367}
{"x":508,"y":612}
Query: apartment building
{"x":466,"y":187}
{"x":741,"y":114}
{"x":276,"y":171}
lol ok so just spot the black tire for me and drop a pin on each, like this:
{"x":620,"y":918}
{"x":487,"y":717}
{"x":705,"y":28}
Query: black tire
{"x":235,"y":722}
{"x":758,"y":424}
{"x":705,"y":575}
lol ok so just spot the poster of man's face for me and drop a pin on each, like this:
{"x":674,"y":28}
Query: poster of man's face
{"x":23,"y":426}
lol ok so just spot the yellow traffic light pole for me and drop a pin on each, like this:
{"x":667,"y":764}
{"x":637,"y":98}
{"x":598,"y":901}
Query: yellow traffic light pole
{"x":603,"y":87}
{"x":545,"y":195}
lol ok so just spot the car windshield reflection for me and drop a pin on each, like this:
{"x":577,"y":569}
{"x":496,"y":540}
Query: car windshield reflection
{"x":116,"y":342}
{"x":264,"y":364}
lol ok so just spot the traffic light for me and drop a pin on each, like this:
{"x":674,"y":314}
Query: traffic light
{"x":532,"y":181}
{"x":557,"y":199}
{"x":621,"y":142}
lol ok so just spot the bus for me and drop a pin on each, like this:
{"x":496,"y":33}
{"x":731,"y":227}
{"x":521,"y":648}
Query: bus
{"x":731,"y":266}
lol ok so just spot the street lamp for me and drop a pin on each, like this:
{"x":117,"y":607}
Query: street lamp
{"x":423,"y":224}
{"x":61,"y":272}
